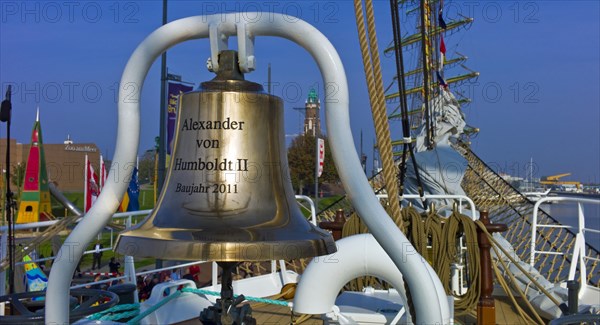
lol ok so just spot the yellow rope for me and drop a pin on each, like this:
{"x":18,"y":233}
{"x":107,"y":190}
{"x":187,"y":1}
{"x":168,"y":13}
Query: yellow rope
{"x":303,"y":318}
{"x":497,"y":246}
{"x":505,"y":286}
{"x":433,"y":229}
{"x":456,"y":225}
{"x":372,"y":68}
{"x":416,"y":232}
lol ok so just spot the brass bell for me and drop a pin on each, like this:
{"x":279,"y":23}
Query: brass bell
{"x":227,"y":195}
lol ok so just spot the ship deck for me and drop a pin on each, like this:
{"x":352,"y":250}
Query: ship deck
{"x":273,"y":314}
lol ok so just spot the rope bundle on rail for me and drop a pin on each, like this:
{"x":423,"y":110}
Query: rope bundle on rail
{"x":442,"y":235}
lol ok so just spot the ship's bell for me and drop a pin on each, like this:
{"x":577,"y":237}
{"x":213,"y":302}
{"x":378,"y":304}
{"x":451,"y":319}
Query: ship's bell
{"x":227,"y":194}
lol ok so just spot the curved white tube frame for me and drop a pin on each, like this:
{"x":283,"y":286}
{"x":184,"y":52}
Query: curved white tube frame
{"x":426,"y":289}
{"x":357,"y":256}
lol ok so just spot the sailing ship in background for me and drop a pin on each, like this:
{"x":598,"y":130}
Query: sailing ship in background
{"x":436,"y":159}
{"x":427,"y":76}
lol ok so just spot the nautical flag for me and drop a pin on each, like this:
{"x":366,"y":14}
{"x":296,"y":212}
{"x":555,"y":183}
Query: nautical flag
{"x":103,"y":173}
{"x":441,"y":21}
{"x":321,"y":156}
{"x":131,"y":200}
{"x":124,"y":203}
{"x":441,"y":80}
{"x":442,"y":51}
{"x":133,"y":192}
{"x":91,"y":189}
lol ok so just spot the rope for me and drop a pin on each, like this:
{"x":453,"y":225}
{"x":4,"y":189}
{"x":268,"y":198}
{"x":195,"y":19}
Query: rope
{"x":506,"y":289}
{"x":425,"y":54}
{"x":456,"y":226}
{"x":508,"y":206}
{"x":415,"y":230}
{"x":248,"y":298}
{"x":152,"y":309}
{"x":432,"y":227}
{"x":125,"y":311}
{"x":497,"y":246}
{"x":301,"y":319}
{"x":372,"y":68}
{"x":131,"y":310}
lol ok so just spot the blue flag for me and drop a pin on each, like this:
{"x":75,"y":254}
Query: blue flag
{"x":133,"y":191}
{"x":441,"y":21}
{"x":441,"y":80}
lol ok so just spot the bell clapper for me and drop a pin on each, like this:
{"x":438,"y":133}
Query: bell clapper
{"x":226,"y":311}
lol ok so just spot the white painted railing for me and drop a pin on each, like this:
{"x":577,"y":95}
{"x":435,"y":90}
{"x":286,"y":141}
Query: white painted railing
{"x":579,"y":256}
{"x":128,"y":216}
{"x":460,"y":199}
{"x":34,"y":225}
{"x":313,"y":210}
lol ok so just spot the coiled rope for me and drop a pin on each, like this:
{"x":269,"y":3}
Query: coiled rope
{"x":455,"y":227}
{"x":442,"y":234}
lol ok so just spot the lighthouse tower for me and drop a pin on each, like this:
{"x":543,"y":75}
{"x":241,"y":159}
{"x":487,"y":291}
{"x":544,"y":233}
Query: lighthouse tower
{"x":312,"y":122}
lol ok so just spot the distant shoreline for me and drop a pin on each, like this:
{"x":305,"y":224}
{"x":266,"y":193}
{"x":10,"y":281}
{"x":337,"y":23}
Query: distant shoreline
{"x":585,"y":195}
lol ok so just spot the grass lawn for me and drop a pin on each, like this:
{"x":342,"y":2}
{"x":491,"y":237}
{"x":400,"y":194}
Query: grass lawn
{"x":146,"y":200}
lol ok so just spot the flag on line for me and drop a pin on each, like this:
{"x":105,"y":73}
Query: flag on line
{"x":91,"y":189}
{"x":442,"y":52}
{"x":131,"y":200}
{"x":321,"y":156}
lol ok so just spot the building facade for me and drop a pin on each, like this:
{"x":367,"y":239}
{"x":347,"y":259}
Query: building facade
{"x":64,"y":161}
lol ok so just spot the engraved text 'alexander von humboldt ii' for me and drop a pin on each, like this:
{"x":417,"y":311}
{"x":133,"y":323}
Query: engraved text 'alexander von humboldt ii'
{"x":223,"y":164}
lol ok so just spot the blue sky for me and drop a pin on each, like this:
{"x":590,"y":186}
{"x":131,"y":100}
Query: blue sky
{"x":538,"y":95}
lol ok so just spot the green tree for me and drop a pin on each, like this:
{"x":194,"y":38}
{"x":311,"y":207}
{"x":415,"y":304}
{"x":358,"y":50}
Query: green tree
{"x":17,"y":177}
{"x":301,"y":159}
{"x":146,"y":168}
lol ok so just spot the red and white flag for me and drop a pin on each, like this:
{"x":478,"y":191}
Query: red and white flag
{"x":103,"y":173}
{"x":442,"y":52}
{"x":321,"y":156}
{"x":91,"y":189}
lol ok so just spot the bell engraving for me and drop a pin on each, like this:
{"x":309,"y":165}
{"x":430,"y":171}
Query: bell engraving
{"x":227,"y":195}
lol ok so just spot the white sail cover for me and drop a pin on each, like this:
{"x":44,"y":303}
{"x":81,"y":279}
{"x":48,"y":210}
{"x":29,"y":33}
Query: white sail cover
{"x":442,"y":168}
{"x":448,"y":121}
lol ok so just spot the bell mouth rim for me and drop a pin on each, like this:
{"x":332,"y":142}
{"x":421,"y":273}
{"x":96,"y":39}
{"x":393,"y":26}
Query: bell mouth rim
{"x":139,"y":245}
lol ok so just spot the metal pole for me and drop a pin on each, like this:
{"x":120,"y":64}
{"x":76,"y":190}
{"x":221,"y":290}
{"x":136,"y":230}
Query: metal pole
{"x":317,"y":135}
{"x":162,"y":153}
{"x":5,"y":116}
{"x":269,"y":79}
{"x":9,"y":216}
{"x":163,"y":111}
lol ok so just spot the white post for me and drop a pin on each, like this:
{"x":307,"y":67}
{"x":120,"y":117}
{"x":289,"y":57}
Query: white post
{"x":283,"y":270}
{"x":215,"y":274}
{"x":129,"y":269}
